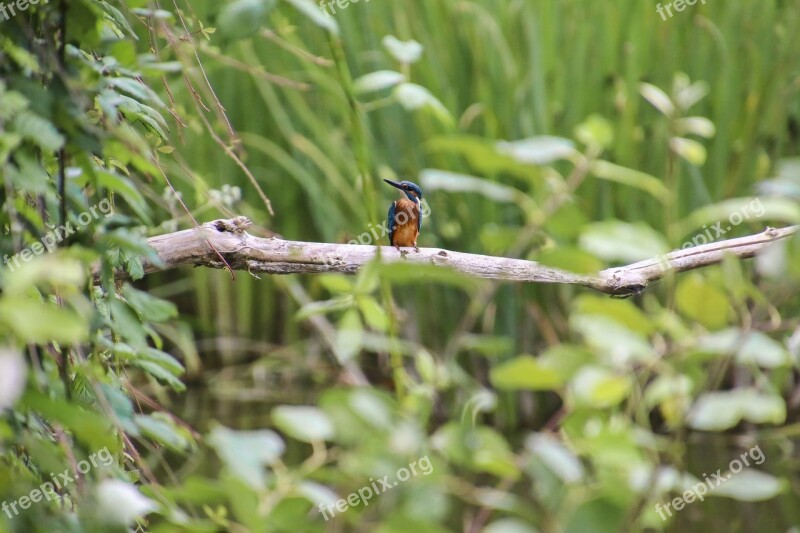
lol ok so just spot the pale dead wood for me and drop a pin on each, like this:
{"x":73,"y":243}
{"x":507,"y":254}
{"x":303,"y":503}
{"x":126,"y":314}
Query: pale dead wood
{"x":243,"y":251}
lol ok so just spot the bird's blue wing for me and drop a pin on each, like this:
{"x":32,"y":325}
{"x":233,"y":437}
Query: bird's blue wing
{"x":391,"y":221}
{"x":419,"y":220}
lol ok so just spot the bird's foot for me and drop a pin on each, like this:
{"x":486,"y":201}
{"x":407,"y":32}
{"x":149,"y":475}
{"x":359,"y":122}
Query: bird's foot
{"x":416,"y":249}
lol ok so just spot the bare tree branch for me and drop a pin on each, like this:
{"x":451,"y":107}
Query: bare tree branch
{"x":242,"y":251}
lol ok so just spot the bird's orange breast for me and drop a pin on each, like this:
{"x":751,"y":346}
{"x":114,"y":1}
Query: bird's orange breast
{"x":405,"y":223}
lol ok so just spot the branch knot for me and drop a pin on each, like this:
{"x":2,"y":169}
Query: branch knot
{"x":235,"y":225}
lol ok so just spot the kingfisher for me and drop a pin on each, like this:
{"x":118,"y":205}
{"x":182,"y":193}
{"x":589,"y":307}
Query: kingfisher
{"x":405,"y":216}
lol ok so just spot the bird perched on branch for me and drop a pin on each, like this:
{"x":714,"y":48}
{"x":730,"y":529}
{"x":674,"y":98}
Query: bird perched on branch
{"x":405,"y":216}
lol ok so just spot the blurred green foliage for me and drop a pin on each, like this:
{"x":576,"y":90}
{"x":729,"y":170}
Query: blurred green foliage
{"x":579,"y":134}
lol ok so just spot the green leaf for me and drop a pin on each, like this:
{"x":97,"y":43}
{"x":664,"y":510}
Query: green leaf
{"x":130,"y":355}
{"x":11,"y":103}
{"x":749,"y":347}
{"x":596,"y":131}
{"x":699,"y":300}
{"x":482,"y":155}
{"x":129,"y":244}
{"x":349,"y":335}
{"x":737,"y":210}
{"x":19,"y":55}
{"x":120,"y":503}
{"x":125,"y":188}
{"x":13,"y":377}
{"x":687,"y":94}
{"x":690,"y":150}
{"x":377,"y":81}
{"x":622,"y":311}
{"x":509,"y":525}
{"x":38,"y":130}
{"x":599,"y":388}
{"x":657,"y":98}
{"x":400,"y":273}
{"x":570,"y":259}
{"x":632,"y":178}
{"x":405,"y":52}
{"x":368,"y":277}
{"x":42,"y":322}
{"x":750,"y":486}
{"x":151,"y":309}
{"x":119,"y":19}
{"x":480,"y":449}
{"x":135,"y":88}
{"x":700,"y":126}
{"x":89,"y":427}
{"x":135,"y":268}
{"x":443,"y":180}
{"x":599,"y":515}
{"x":159,"y":372}
{"x":414,"y":97}
{"x":556,"y":456}
{"x":310,"y":9}
{"x":122,"y":406}
{"x":152,"y":119}
{"x":614,"y":240}
{"x":374,"y":314}
{"x":357,"y":413}
{"x":162,"y":429}
{"x":524,"y":373}
{"x":495,"y":239}
{"x":371,"y":407}
{"x":672,"y":394}
{"x":324,"y":307}
{"x":336,"y":283}
{"x":718,"y":411}
{"x":243,"y":18}
{"x":30,"y":175}
{"x":614,"y":342}
{"x":54,"y":271}
{"x":488,"y":345}
{"x":127,"y":324}
{"x":542,"y":150}
{"x":565,"y":359}
{"x":304,"y":423}
{"x":246,"y":452}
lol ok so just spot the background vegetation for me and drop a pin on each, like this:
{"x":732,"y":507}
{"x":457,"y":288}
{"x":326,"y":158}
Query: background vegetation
{"x":578,"y":133}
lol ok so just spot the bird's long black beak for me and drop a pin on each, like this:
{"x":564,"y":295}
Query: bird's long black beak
{"x":394,"y":184}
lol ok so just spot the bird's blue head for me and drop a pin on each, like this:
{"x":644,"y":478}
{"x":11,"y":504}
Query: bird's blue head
{"x":411,"y":190}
